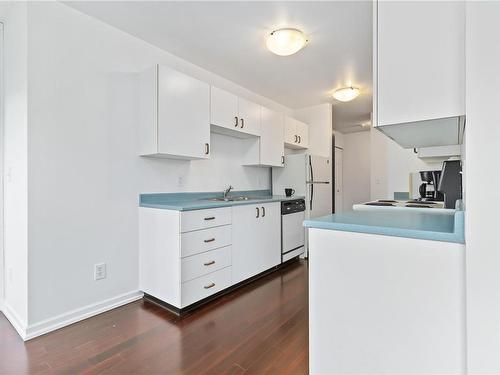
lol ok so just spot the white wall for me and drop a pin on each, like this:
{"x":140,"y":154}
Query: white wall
{"x":482,"y":186}
{"x":84,"y":172}
{"x":15,"y":161}
{"x":356,"y":169}
{"x":319,"y":119}
{"x":391,"y":165}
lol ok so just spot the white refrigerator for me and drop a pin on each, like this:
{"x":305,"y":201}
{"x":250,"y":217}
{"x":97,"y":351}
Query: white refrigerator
{"x":310,"y":176}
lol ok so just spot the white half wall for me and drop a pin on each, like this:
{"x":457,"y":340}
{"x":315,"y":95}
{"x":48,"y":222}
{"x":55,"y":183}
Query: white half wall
{"x":15,"y":144}
{"x":356,"y":169}
{"x":84,"y":172}
{"x":482,"y":187}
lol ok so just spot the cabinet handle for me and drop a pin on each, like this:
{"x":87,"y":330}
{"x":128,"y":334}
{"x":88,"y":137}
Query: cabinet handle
{"x":209,"y":240}
{"x":207,"y":149}
{"x":296,"y":139}
{"x":209,"y":263}
{"x":299,"y":139}
{"x":258,"y":212}
{"x":211,"y":285}
{"x":242,"y":123}
{"x":210,"y":218}
{"x":282,"y":159}
{"x":235,"y":121}
{"x":263,"y":211}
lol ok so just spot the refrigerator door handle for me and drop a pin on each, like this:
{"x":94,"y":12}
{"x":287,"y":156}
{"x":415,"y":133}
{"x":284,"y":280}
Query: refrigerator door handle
{"x":311,"y":174}
{"x":317,"y":182}
{"x":311,"y":197}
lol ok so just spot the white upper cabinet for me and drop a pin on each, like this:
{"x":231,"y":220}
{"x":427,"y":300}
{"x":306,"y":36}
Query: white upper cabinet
{"x":223,"y":108}
{"x":272,"y":150}
{"x":174,"y":115}
{"x":296,"y":134}
{"x":419,"y":62}
{"x":249,"y":115}
{"x":267,"y":150}
{"x":232,"y":115}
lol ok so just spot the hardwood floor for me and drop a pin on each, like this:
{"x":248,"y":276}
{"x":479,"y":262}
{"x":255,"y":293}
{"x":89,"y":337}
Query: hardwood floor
{"x":261,"y":328}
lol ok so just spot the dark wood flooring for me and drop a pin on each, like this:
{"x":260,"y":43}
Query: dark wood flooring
{"x":261,"y":328}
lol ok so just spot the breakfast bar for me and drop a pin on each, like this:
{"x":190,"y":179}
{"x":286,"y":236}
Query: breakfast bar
{"x":387,"y":293}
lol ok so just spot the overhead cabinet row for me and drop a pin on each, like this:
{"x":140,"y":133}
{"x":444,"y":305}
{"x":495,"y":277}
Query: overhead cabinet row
{"x":178,"y":112}
{"x":419,"y":84}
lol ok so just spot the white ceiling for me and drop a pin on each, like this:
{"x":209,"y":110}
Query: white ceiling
{"x":228,"y":38}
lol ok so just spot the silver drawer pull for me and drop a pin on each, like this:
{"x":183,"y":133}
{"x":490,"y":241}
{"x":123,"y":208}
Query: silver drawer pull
{"x":210,"y":218}
{"x":210,"y":240}
{"x":211,"y":285}
{"x":209,"y":263}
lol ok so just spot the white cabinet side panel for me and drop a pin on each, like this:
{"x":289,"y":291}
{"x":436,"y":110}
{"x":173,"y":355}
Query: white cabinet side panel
{"x":159,"y":254}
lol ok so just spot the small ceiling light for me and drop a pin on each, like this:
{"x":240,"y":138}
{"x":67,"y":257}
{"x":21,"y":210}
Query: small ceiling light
{"x":346,"y":94}
{"x":286,"y":42}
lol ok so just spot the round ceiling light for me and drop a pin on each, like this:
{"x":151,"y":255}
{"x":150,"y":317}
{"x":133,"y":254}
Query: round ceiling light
{"x":346,"y":94}
{"x":286,"y":42}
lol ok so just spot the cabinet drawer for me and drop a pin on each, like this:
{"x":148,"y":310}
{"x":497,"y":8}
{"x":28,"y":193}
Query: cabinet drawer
{"x":204,"y":263}
{"x":201,"y":219}
{"x":197,"y":289}
{"x":203,"y":240}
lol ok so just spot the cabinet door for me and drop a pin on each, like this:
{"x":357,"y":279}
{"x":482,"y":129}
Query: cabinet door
{"x":303,"y":134}
{"x":271,"y":139}
{"x":256,"y":239}
{"x":246,"y":242}
{"x":420,"y":60}
{"x":290,"y":131}
{"x":183,"y":115}
{"x":269,"y":251}
{"x":249,"y":116}
{"x":223,"y":108}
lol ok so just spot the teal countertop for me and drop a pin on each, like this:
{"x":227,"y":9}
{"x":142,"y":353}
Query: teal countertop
{"x":201,"y":201}
{"x":425,"y":226}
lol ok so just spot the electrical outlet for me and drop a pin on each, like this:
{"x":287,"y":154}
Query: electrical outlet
{"x":100,"y":271}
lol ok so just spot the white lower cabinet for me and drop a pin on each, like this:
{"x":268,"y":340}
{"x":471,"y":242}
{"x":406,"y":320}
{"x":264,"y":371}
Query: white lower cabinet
{"x":185,"y":257}
{"x":202,"y":287}
{"x":256,"y":239}
{"x":201,"y":264}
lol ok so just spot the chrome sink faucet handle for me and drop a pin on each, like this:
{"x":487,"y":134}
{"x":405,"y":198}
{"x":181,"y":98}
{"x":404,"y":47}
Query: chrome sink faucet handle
{"x":226,"y":191}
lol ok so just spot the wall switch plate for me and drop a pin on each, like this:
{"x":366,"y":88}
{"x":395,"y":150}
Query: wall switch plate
{"x":99,"y":271}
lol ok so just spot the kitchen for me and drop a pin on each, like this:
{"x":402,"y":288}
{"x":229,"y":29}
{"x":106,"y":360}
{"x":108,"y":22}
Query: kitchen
{"x":123,"y":139}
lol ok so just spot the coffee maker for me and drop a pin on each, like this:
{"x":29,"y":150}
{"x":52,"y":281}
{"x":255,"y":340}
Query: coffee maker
{"x":428,"y":189}
{"x":450,"y":183}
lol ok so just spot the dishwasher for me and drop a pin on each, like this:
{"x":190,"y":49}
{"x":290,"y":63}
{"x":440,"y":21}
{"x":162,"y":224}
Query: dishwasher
{"x":292,"y":230}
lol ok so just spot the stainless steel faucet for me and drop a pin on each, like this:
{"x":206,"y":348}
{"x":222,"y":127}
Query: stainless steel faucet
{"x":226,"y":191}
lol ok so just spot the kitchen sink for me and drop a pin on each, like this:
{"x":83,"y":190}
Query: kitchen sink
{"x":229,"y":199}
{"x":236,"y":199}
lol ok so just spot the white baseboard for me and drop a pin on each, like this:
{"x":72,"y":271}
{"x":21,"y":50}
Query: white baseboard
{"x":63,"y":320}
{"x":14,"y":319}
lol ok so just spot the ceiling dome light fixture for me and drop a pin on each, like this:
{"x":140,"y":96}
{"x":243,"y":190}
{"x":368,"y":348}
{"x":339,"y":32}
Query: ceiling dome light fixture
{"x":286,"y":42}
{"x":346,"y":94}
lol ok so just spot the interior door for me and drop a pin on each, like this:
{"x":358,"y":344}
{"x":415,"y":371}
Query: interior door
{"x":338,"y":181}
